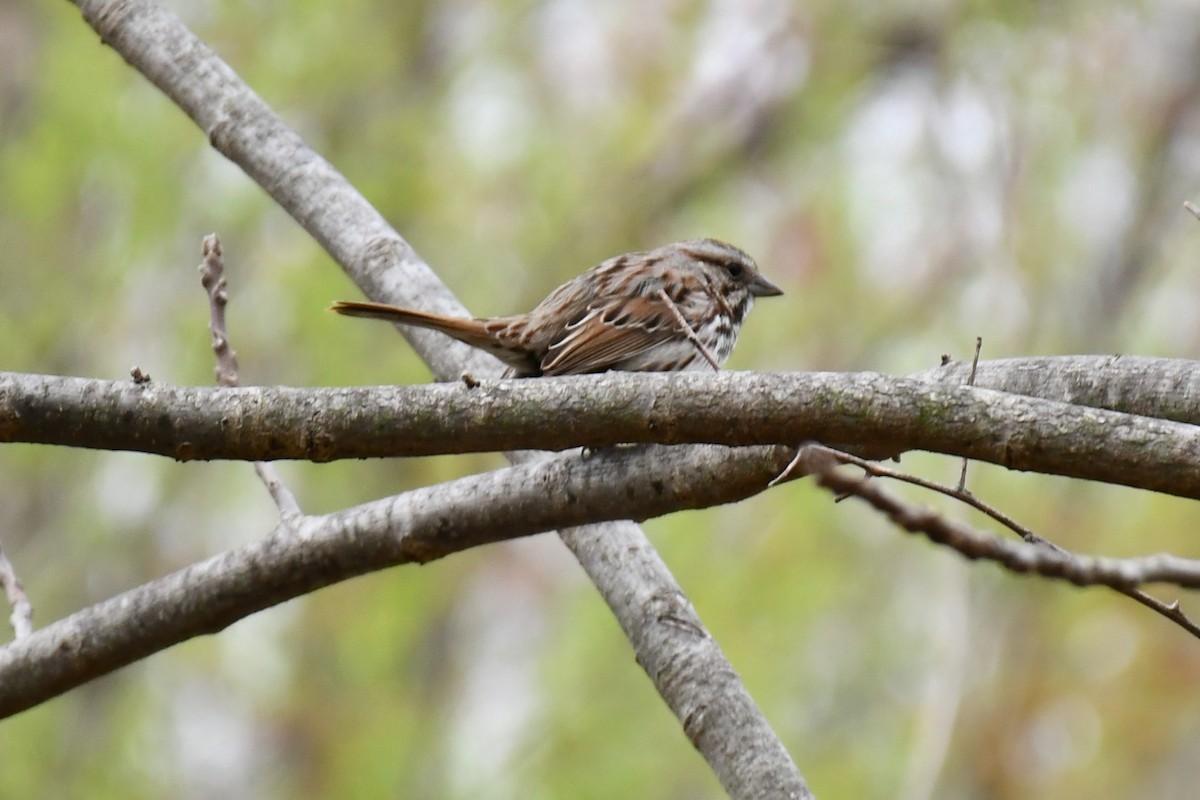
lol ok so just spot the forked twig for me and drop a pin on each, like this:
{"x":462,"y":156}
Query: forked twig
{"x":1081,"y":570}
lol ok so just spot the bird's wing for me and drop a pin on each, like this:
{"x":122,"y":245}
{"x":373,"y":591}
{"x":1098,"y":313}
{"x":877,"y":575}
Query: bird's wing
{"x":611,"y":333}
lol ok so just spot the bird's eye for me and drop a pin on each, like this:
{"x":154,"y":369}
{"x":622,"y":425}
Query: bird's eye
{"x":735,"y":269}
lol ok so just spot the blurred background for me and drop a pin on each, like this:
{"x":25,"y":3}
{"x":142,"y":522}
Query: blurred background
{"x":914,"y":174}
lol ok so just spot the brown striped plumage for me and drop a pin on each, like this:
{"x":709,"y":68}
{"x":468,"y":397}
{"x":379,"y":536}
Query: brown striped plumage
{"x":626,"y":313}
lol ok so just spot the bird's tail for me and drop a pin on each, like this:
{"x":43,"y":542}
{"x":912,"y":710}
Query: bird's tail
{"x":494,"y":336}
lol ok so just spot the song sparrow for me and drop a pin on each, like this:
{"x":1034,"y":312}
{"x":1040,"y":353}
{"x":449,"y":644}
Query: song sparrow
{"x":672,"y":308}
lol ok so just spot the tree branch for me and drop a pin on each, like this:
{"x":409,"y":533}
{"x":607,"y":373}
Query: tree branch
{"x":868,"y":411}
{"x":876,"y":469}
{"x":1166,"y":388}
{"x":1021,"y":557}
{"x":21,"y":617}
{"x":240,"y":125}
{"x":212,"y":278}
{"x":420,"y":526}
{"x":243,"y":128}
{"x":432,"y":522}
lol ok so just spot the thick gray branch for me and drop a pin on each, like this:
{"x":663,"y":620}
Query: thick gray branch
{"x":867,"y":411}
{"x":1167,"y":388}
{"x":241,"y":126}
{"x":420,"y":526}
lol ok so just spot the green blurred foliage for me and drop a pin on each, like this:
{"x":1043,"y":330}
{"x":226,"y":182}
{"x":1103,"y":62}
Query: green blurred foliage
{"x":913,"y":174}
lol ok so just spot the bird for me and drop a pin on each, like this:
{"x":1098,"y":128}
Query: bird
{"x":676,"y":307}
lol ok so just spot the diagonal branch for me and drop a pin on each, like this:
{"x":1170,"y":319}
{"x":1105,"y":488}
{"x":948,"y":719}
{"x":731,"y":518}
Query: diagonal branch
{"x":1020,"y":557}
{"x":436,"y":521}
{"x":417,"y":527}
{"x":241,"y":126}
{"x":1170,"y":611}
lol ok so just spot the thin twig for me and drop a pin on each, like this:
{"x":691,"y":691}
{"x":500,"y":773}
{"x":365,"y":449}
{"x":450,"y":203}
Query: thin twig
{"x":212,"y":278}
{"x":962,"y":477}
{"x":22,"y":610}
{"x":285,"y":501}
{"x":1171,"y":610}
{"x":789,"y":472}
{"x":687,"y":330}
{"x":878,"y":470}
{"x":1049,"y":561}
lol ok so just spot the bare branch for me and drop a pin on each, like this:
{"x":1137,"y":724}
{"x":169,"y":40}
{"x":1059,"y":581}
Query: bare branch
{"x":212,"y":278}
{"x":1170,"y":611}
{"x":285,"y":501}
{"x":962,"y":476}
{"x":1166,"y":388}
{"x":1119,"y":573}
{"x":22,"y":610}
{"x":420,"y":526}
{"x":876,"y":414}
{"x":241,"y":126}
{"x":249,"y":133}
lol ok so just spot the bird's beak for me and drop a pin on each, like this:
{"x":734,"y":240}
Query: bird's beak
{"x":761,"y":287}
